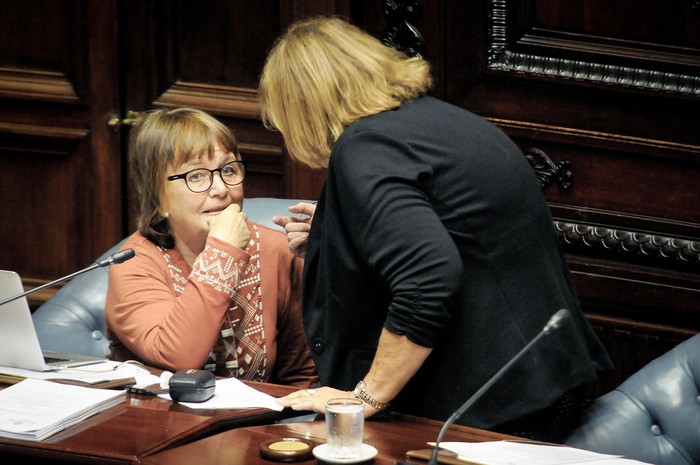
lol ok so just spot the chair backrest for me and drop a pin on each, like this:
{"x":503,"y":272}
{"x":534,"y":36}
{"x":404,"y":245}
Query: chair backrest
{"x":73,"y":319}
{"x":654,"y":416}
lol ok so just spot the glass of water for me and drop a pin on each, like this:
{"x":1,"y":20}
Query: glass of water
{"x":345,"y":422}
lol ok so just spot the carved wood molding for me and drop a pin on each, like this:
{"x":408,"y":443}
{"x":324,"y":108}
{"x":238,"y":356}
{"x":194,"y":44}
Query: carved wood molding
{"x":500,"y":58}
{"x":219,"y":100}
{"x":631,"y":245}
{"x":261,"y":149}
{"x":62,"y":133}
{"x":263,"y":158}
{"x":547,"y":171}
{"x":644,"y":329}
{"x":651,"y":147}
{"x":400,"y":32}
{"x":44,"y":140}
{"x":671,"y":251}
{"x":36,"y":85}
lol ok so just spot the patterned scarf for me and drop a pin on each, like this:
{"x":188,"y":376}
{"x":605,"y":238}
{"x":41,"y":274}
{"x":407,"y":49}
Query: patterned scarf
{"x":240,"y":351}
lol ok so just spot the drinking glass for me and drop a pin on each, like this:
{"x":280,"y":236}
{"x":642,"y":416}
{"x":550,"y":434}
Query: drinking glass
{"x":345,"y":421}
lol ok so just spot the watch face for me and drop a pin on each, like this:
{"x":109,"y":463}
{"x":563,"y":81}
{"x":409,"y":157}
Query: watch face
{"x":359,"y":388}
{"x":361,"y":393}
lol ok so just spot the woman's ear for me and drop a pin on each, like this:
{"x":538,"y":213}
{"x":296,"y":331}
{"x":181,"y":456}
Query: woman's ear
{"x":162,"y":207}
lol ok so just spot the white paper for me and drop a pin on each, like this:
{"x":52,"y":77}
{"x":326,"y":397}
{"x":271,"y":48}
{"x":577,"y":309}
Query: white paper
{"x":103,"y":371}
{"x":35,"y":409}
{"x":231,"y":393}
{"x":529,"y":453}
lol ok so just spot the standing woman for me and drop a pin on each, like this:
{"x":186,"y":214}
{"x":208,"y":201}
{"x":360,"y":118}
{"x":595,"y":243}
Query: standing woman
{"x":206,"y":289}
{"x":432,"y":258}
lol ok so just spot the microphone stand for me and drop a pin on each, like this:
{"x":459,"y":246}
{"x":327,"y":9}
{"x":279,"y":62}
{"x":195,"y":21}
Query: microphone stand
{"x":553,"y":323}
{"x":115,"y":258}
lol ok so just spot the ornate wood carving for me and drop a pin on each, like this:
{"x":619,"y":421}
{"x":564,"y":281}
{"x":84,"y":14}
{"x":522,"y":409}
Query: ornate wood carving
{"x":670,"y":251}
{"x":400,"y":32}
{"x":501,"y":58}
{"x":548,"y":172}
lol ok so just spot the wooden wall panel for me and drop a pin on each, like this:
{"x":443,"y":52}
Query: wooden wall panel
{"x":632,"y":345}
{"x":60,"y":166}
{"x":619,"y":180}
{"x":36,"y":161}
{"x":608,"y":92}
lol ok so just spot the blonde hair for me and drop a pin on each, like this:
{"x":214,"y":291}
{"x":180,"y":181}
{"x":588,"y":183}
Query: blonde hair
{"x":323,"y":74}
{"x":166,"y":138}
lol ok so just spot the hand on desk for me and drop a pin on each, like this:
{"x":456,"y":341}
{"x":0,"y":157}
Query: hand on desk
{"x":315,"y":400}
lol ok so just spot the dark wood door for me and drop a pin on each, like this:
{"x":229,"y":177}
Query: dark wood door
{"x":60,"y":163}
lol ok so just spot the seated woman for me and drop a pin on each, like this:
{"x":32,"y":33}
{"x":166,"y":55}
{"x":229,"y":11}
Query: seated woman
{"x":206,"y":289}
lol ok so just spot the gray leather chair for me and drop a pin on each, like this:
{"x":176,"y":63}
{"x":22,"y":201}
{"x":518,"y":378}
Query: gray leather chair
{"x":73,"y":319}
{"x":653,"y":416}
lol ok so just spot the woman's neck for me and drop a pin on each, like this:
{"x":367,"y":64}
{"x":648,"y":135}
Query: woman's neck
{"x":188,"y":251}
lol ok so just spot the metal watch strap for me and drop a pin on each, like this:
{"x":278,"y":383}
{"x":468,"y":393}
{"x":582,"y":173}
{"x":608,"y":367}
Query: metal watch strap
{"x":361,"y":393}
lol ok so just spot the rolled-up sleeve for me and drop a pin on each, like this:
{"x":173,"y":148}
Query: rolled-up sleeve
{"x":397,"y":231}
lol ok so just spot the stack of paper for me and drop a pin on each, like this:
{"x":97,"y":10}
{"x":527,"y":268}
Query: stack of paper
{"x":89,"y":374}
{"x":35,"y":409}
{"x":529,"y":453}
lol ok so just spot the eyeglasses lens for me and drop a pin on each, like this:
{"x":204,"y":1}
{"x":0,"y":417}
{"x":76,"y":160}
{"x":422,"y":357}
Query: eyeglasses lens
{"x":231,"y":174}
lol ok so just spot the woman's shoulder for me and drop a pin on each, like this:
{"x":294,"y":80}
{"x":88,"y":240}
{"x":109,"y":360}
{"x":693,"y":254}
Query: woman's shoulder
{"x":140,"y":244}
{"x":146,"y":251}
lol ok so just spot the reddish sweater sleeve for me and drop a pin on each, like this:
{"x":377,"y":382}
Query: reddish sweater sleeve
{"x":144,"y":313}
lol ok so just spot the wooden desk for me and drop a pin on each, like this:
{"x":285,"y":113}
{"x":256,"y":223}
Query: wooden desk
{"x":140,"y":426}
{"x":241,"y":446}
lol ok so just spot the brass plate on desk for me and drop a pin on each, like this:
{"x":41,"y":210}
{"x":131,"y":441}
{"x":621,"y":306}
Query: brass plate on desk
{"x":445,"y":457}
{"x":287,"y":449}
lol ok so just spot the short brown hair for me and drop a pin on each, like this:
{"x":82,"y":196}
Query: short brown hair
{"x":165,"y":138}
{"x":323,"y":74}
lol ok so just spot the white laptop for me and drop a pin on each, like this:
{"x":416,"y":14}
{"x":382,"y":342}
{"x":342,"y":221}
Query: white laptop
{"x":19,"y":344}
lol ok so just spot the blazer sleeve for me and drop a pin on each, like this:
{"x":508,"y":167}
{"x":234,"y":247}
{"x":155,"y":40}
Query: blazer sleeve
{"x":384,"y":193}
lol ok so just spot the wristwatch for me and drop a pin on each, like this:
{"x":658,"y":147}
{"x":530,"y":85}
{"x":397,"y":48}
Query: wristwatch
{"x":361,"y":393}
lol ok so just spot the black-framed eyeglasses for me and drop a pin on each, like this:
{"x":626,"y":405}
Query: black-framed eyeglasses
{"x":201,"y":179}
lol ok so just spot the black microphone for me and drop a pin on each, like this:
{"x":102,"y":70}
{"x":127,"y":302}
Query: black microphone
{"x":116,"y":258}
{"x":113,"y":259}
{"x":553,"y":323}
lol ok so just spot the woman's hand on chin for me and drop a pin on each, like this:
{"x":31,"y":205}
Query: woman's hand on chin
{"x":230,"y":226}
